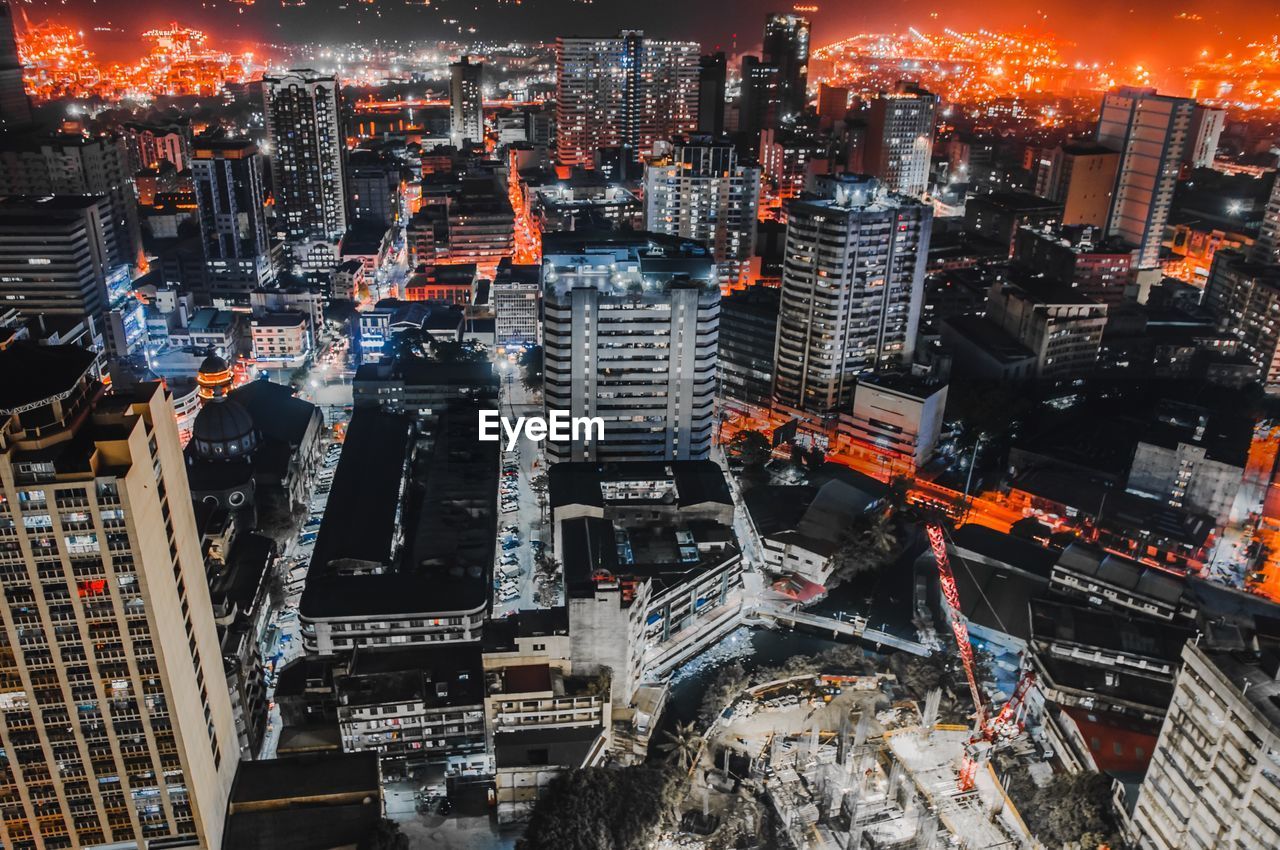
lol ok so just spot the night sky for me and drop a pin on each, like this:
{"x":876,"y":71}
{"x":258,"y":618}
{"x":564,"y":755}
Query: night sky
{"x":1139,"y":30}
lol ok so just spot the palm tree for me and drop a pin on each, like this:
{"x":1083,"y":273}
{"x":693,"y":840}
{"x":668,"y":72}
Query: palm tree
{"x":879,"y":535}
{"x":683,"y":745}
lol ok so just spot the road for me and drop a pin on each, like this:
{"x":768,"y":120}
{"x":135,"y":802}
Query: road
{"x":528,"y":516}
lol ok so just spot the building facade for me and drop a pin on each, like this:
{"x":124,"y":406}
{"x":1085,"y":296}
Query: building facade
{"x":852,"y":286}
{"x":630,"y":328}
{"x":118,"y":726}
{"x":466,"y":101}
{"x":702,"y":192}
{"x":227,"y":176}
{"x":626,"y":91}
{"x":900,"y":139}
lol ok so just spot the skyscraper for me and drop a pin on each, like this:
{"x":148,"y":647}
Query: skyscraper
{"x":1266,"y":249}
{"x":712,"y":79}
{"x":15,"y":107}
{"x":304,"y":129}
{"x":466,"y":101}
{"x":629,"y":91}
{"x":900,"y":138}
{"x":759,"y":100}
{"x":1244,"y":297}
{"x":630,"y":330}
{"x":786,"y":47}
{"x":702,"y":192}
{"x":1211,"y":780}
{"x":228,"y":184}
{"x":852,"y":285}
{"x":117,"y":727}
{"x":1153,"y":135}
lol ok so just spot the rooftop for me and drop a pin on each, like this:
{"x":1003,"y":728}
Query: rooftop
{"x":34,"y":373}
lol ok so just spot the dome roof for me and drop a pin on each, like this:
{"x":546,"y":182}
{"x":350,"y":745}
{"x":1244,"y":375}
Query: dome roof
{"x":224,"y":429}
{"x":214,"y":365}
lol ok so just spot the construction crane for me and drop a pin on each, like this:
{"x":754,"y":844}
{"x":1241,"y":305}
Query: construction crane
{"x":1006,"y":723}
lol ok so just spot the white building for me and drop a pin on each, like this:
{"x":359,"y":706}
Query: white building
{"x":702,"y":192}
{"x":899,"y":415}
{"x":852,"y":287}
{"x":517,"y":306}
{"x":900,"y":138}
{"x":630,"y":330}
{"x":1214,"y":779}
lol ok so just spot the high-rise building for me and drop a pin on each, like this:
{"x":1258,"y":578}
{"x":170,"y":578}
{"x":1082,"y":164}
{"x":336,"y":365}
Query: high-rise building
{"x":466,"y":101}
{"x":1211,"y":782}
{"x":1244,"y":297}
{"x":227,"y":177}
{"x":1207,"y":125}
{"x":1266,"y":249}
{"x":900,"y":138}
{"x":118,"y":726}
{"x":702,"y":192}
{"x":1081,"y":176}
{"x":712,"y":80}
{"x":629,"y":332}
{"x":786,"y":47}
{"x":748,"y":335}
{"x":55,"y":260}
{"x":305,"y":132}
{"x":1153,"y":135}
{"x":833,"y":104}
{"x":15,"y":107}
{"x":760,"y":98}
{"x":627,"y":91}
{"x":376,"y":182}
{"x":852,"y":287}
{"x":76,"y":164}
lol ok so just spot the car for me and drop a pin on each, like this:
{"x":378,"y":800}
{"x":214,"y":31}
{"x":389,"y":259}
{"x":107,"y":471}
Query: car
{"x":508,"y":595}
{"x":508,"y":509}
{"x":308,"y":537}
{"x":508,"y":560}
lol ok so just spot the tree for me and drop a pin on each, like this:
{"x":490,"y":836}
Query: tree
{"x":531,"y":368}
{"x":604,"y":809}
{"x":1071,"y":808}
{"x":458,"y":351}
{"x":899,"y":491}
{"x":866,"y":544}
{"x":385,"y":836}
{"x":683,"y":745}
{"x":751,"y":449}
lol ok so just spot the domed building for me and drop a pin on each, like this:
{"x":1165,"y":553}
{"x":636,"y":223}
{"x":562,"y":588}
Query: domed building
{"x":214,"y":377}
{"x":220,"y":454}
{"x":254,"y":443}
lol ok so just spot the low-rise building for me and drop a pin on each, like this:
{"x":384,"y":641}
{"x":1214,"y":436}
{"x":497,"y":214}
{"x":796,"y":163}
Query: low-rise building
{"x":517,"y":306}
{"x":423,"y":387}
{"x":281,"y":338}
{"x":1062,"y":329}
{"x":897,"y":414}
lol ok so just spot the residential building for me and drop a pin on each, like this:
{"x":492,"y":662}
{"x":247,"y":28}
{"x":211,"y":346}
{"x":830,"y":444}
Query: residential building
{"x":474,"y":224}
{"x":1244,"y":296}
{"x":630,"y":333}
{"x":1207,"y":124}
{"x":1210,"y":780}
{"x":626,"y":91}
{"x":416,"y":706}
{"x":701,"y":191}
{"x":900,"y":138}
{"x":281,"y":337}
{"x":786,"y":47}
{"x":1153,"y":135}
{"x":466,"y":102}
{"x":653,"y":574}
{"x":897,"y":414}
{"x":712,"y":77}
{"x":125,"y":720}
{"x":517,"y":306}
{"x":852,"y":286}
{"x":1081,"y":176}
{"x":227,"y":176}
{"x":1061,"y":328}
{"x":748,"y":337}
{"x":1071,"y":258}
{"x":376,"y":181}
{"x":304,"y":128}
{"x":1266,"y":248}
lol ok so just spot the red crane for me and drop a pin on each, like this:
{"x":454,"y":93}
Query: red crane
{"x":1007,"y":722}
